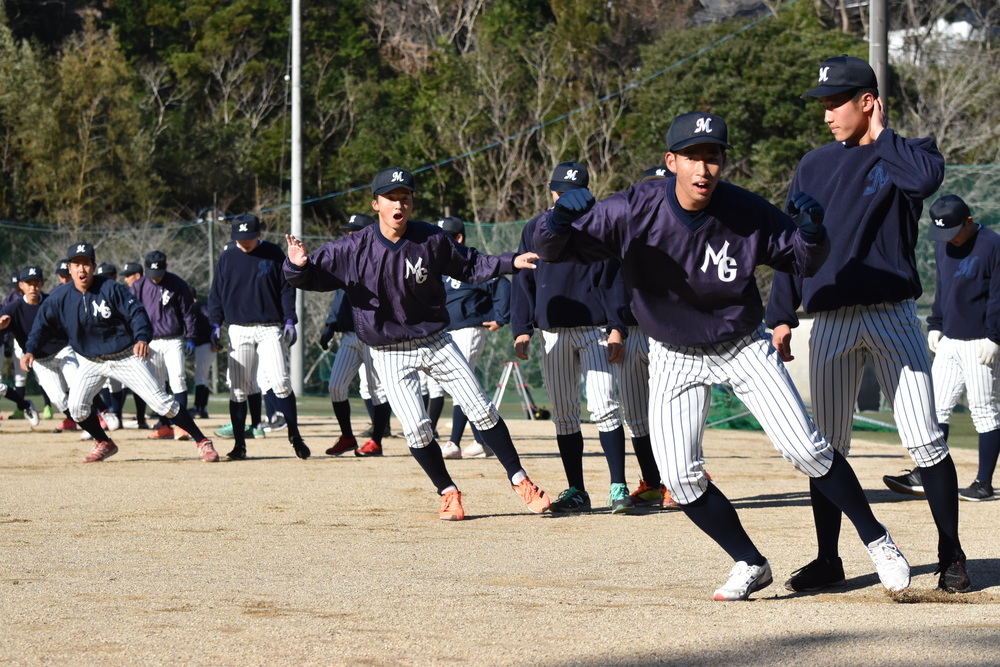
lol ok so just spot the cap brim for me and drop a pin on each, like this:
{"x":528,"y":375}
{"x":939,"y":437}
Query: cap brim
{"x":943,"y":233}
{"x":825,"y":91}
{"x":392,"y":186}
{"x":564,"y":187}
{"x":243,"y":236}
{"x":70,"y":259}
{"x":698,"y":140}
{"x":155,"y":274}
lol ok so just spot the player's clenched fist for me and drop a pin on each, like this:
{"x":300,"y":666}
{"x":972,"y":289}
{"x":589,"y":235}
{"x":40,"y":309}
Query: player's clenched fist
{"x":568,"y":209}
{"x":521,"y":344}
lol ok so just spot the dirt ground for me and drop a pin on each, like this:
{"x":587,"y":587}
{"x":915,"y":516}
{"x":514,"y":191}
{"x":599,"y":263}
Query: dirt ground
{"x":154,"y":557}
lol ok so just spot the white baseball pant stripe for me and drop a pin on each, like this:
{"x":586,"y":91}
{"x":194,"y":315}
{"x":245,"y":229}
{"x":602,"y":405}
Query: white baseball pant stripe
{"x":399,"y":365}
{"x":633,"y":383}
{"x":131,"y":371}
{"x":470,"y":341}
{"x":566,"y":353}
{"x":352,"y":355}
{"x":681,"y":380}
{"x":890,"y":335}
{"x":956,"y":367}
{"x":56,"y":374}
{"x":253,"y":346}
{"x":166,"y":356}
{"x":20,"y":375}
{"x":203,"y":357}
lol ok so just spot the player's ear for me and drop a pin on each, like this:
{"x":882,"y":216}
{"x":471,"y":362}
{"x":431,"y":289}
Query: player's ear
{"x":375,"y":204}
{"x":670,"y":159}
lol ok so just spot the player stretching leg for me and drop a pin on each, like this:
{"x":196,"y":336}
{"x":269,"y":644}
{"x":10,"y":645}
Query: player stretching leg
{"x":689,"y":245}
{"x":110,"y":332}
{"x":872,"y":184}
{"x":391,"y":272}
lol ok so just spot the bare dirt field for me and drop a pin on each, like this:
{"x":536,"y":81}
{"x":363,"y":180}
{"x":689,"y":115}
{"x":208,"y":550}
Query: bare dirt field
{"x":153,"y":557}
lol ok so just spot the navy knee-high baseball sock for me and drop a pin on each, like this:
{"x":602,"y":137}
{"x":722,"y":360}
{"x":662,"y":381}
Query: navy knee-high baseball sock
{"x":99,"y":404}
{"x":613,"y":444}
{"x":717,"y":518}
{"x":93,"y":426}
{"x":286,"y":406}
{"x":380,"y":421}
{"x":182,"y":399}
{"x":432,"y":462}
{"x":426,"y":398}
{"x":17,"y":398}
{"x":201,"y":397}
{"x":342,"y":411}
{"x":458,"y":423}
{"x":842,"y":487}
{"x":827,"y":518}
{"x":140,"y":408}
{"x":271,"y":404}
{"x":119,"y":397}
{"x":498,"y":439}
{"x":944,"y":429}
{"x":370,"y":407}
{"x":184,"y":419}
{"x":643,"y":449}
{"x":434,"y":410}
{"x":989,"y":451}
{"x":941,"y":486}
{"x":253,"y":405}
{"x":571,"y":453}
{"x":238,"y":418}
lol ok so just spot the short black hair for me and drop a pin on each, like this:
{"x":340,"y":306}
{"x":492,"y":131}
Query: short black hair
{"x":858,"y":93}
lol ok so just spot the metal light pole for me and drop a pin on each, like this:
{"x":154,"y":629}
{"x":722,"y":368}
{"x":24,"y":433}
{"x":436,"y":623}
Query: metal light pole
{"x":878,"y":44}
{"x":297,"y":351}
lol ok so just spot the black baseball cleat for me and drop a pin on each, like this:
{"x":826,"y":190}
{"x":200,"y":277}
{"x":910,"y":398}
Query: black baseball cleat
{"x":817,"y":575}
{"x":909,"y":483}
{"x":954,"y":578}
{"x":238,"y":454}
{"x":301,"y":450}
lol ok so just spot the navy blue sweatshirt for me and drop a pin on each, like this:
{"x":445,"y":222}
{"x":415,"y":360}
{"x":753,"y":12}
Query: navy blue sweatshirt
{"x":967,"y":295}
{"x":248,"y":287}
{"x":564,"y":295}
{"x":340,"y":317}
{"x":471,"y":305}
{"x":105,"y":319}
{"x":872,"y":196}
{"x":22,"y":318}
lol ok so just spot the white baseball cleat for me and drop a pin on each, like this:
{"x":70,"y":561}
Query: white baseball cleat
{"x":893,"y":570}
{"x":744,"y":579}
{"x":450,"y":450}
{"x":31,"y":414}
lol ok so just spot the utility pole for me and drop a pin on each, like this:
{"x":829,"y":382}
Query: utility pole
{"x":297,"y":352}
{"x":878,"y":45}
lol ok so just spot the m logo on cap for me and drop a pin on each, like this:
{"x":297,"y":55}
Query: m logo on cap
{"x":243,"y":228}
{"x":81,"y":248}
{"x":661,"y":172}
{"x":939,"y":222}
{"x":703,"y":125}
{"x":397,"y":177}
{"x":154,"y":265}
{"x":571,"y":174}
{"x":824,"y":74}
{"x":32,"y":272}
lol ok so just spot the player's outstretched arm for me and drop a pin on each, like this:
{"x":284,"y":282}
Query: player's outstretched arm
{"x":526,"y":261}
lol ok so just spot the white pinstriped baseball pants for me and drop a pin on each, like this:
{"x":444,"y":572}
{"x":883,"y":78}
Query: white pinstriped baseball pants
{"x":166,"y":357}
{"x":253,"y":345}
{"x":351,"y":356}
{"x":56,"y":373}
{"x":20,"y":375}
{"x":436,"y":355}
{"x":681,"y":380}
{"x":131,"y":371}
{"x":566,"y":353}
{"x":889,"y":334}
{"x":956,"y":367}
{"x":470,"y":341}
{"x":203,"y":357}
{"x":633,"y":383}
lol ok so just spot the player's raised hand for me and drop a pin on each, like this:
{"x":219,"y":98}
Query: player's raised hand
{"x":525,"y":261}
{"x":568,"y":209}
{"x":297,"y":253}
{"x":782,"y":340}
{"x":879,"y":119}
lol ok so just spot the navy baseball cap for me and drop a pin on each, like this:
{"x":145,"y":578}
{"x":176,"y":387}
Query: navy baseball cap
{"x":655,"y":173}
{"x":131,"y":268}
{"x":841,"y":74}
{"x":107,"y":269}
{"x":697,"y":127}
{"x":15,"y":276}
{"x":948,"y":214}
{"x":452,"y":225}
{"x":62,"y":267}
{"x":31,"y":273}
{"x":245,"y":226}
{"x":357,"y":221}
{"x":81,"y":250}
{"x":389,"y":179}
{"x":156,"y":265}
{"x":569,"y":176}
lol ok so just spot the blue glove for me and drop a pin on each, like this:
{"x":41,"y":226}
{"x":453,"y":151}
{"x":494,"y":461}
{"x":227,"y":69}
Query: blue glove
{"x":808,"y":215}
{"x":289,"y":334}
{"x":216,"y":335}
{"x":569,"y":208}
{"x":189,"y":346}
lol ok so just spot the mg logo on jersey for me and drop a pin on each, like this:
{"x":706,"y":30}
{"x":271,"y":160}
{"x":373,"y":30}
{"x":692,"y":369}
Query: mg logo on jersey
{"x":417,"y":270}
{"x":967,"y":268}
{"x":876,"y":179}
{"x":101,"y":309}
{"x":397,"y":177}
{"x":703,"y":125}
{"x":164,"y":295}
{"x":725,"y":263}
{"x":824,"y":74}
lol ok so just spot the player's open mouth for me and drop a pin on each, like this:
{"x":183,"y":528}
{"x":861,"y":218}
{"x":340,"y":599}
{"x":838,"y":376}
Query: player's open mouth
{"x":397,"y":216}
{"x":702,"y":187}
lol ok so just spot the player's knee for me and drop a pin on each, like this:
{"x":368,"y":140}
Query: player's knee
{"x":422,"y":436}
{"x":485,"y":419}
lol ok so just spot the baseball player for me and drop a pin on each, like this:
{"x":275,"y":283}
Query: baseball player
{"x":110,"y":332}
{"x":204,"y":355}
{"x":571,"y":306}
{"x":391,"y":272}
{"x":689,"y":246}
{"x":473,"y":310}
{"x":19,"y":312}
{"x":964,"y":329}
{"x":169,"y":303}
{"x":14,"y":351}
{"x":250,"y":294}
{"x":351,"y":356}
{"x":872,"y":184}
{"x":107,"y":270}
